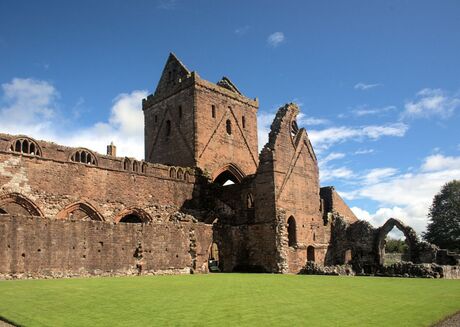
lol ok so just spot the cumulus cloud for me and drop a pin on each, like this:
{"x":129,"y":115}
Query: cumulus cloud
{"x":323,"y":139}
{"x":406,"y":196}
{"x":275,"y":39}
{"x":31,"y":107}
{"x":431,"y":103}
{"x":27,"y":105}
{"x":363,"y":86}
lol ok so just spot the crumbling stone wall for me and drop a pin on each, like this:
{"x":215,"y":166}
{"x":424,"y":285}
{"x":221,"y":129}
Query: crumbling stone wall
{"x":33,"y":247}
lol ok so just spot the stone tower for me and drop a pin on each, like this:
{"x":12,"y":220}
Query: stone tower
{"x":192,"y":122}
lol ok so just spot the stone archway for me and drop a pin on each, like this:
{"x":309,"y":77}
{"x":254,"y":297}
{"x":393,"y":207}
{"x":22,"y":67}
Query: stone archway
{"x":17,"y":204}
{"x":133,"y":216}
{"x":409,"y":233}
{"x":228,"y":173}
{"x":80,"y":211}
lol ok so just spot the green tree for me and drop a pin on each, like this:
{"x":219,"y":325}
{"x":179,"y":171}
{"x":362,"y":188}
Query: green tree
{"x":444,"y":215}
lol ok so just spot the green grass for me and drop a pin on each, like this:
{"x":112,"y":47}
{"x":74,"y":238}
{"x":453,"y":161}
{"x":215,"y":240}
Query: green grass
{"x":229,"y":300}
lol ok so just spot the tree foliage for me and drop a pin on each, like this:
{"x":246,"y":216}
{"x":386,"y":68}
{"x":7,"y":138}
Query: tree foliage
{"x":444,"y":215}
{"x":395,"y":246}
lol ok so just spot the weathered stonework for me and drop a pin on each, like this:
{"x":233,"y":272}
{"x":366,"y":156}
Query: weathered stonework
{"x":73,"y":212}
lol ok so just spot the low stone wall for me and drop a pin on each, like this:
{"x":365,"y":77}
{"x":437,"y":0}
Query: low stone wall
{"x":32,"y":247}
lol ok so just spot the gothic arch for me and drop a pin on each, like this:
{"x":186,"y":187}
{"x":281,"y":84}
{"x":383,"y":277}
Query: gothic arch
{"x":227,"y":172}
{"x":292,"y":231}
{"x":409,"y":233}
{"x":84,"y":156}
{"x":80,"y":211}
{"x":25,"y":145}
{"x":16,"y":203}
{"x":133,"y":215}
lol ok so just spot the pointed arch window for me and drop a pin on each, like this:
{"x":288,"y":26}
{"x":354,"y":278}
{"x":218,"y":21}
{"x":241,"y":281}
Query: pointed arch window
{"x":26,"y":146}
{"x":292,"y":232}
{"x":229,"y":127}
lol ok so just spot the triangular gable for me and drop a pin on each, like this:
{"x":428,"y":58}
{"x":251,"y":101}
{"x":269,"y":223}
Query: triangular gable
{"x":226,"y":83}
{"x":173,"y":72}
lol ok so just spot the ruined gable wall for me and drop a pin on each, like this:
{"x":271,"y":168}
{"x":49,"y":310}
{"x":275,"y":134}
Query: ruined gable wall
{"x":296,"y":187}
{"x":214,"y":146}
{"x":40,"y":247}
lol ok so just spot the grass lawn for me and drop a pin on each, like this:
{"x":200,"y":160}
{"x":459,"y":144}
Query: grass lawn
{"x":229,"y":300}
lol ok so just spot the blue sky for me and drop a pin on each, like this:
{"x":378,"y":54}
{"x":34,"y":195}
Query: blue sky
{"x":378,"y":82}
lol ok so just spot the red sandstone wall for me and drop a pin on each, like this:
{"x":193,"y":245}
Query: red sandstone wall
{"x":38,"y":247}
{"x":52,"y":185}
{"x":214,"y":146}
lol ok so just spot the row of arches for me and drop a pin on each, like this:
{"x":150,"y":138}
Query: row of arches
{"x":134,"y":166}
{"x":17,"y":204}
{"x":179,"y":174}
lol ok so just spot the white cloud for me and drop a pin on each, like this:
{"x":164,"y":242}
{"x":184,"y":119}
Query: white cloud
{"x":275,"y":39}
{"x":30,"y":107}
{"x":439,"y":162}
{"x":410,"y":193}
{"x":328,"y":174}
{"x":364,"y":111}
{"x":431,"y":103}
{"x":363,"y":86}
{"x":264,"y":121}
{"x":364,"y":151}
{"x":378,"y":174}
{"x":304,"y":120}
{"x":323,"y":139}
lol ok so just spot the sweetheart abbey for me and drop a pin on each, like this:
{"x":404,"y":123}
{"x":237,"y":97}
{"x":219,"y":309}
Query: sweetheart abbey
{"x":204,"y":199}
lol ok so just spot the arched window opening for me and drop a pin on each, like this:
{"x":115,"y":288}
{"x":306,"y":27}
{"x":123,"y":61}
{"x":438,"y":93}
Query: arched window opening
{"x":243,"y":122}
{"x":314,"y":237}
{"x":172,"y":173}
{"x":180,"y":112}
{"x":25,"y":146}
{"x":213,"y":111}
{"x":249,"y":201}
{"x":32,"y":149}
{"x":156,"y":118}
{"x":126,"y":164}
{"x":18,"y":146}
{"x":135,"y":166}
{"x":311,"y":253}
{"x":229,"y":127}
{"x":83,"y":156}
{"x":131,"y":219}
{"x":294,"y":128}
{"x":187,"y":176}
{"x":144,"y":168}
{"x":168,"y":128}
{"x":180,"y":174}
{"x":292,"y":232}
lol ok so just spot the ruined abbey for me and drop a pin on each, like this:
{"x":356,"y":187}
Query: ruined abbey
{"x":203,"y":196}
